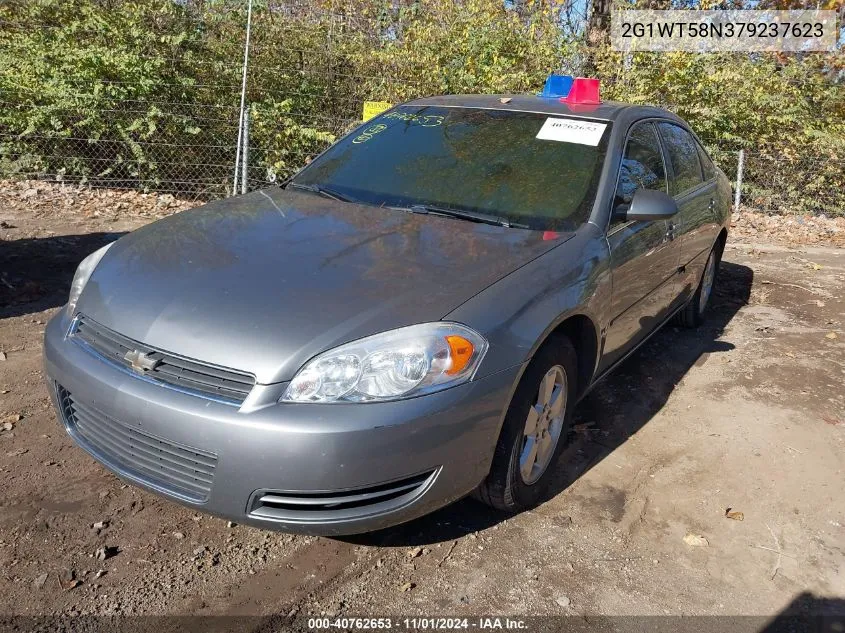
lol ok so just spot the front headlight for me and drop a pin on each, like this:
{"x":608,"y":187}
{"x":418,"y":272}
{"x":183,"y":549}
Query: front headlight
{"x":83,"y":273}
{"x":392,"y":365}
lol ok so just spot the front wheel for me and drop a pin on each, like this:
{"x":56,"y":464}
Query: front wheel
{"x":535,"y":429}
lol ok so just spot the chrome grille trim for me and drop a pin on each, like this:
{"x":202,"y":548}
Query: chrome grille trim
{"x":340,"y":505}
{"x":181,"y":374}
{"x":169,"y":467}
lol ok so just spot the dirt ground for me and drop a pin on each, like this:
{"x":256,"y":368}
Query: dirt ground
{"x":747,"y":413}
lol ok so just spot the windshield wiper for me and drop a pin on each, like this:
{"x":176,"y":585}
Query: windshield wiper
{"x":320,"y":190}
{"x":472,"y":216}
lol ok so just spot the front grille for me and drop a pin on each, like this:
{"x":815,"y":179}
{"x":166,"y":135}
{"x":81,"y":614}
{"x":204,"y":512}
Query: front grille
{"x":326,"y":506}
{"x":187,"y":375}
{"x":174,"y":468}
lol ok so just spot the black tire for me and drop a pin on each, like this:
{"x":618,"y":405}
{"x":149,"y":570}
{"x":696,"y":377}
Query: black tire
{"x":504,"y":488}
{"x":692,"y":315}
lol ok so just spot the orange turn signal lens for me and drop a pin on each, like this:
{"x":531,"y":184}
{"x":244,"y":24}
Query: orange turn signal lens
{"x":460,"y":351}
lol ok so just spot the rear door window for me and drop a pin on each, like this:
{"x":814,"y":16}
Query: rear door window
{"x":682,"y":152}
{"x":707,"y":165}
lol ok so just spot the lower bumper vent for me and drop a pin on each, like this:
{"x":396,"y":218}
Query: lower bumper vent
{"x":175,"y":469}
{"x":339,"y":506}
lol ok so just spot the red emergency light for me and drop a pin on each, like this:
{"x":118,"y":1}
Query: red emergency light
{"x":584,"y":91}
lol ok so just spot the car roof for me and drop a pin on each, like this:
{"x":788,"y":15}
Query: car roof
{"x":606,"y":110}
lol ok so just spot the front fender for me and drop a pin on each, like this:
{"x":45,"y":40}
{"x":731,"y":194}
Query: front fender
{"x":518,"y":312}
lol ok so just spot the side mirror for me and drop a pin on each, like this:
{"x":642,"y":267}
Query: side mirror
{"x":648,"y":204}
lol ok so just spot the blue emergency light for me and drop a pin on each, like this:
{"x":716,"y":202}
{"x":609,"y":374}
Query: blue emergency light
{"x":556,"y":86}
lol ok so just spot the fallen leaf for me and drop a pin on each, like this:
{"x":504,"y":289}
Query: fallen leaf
{"x":417,"y":551}
{"x":2,"y":355}
{"x":815,"y":266}
{"x":563,"y":601}
{"x":68,"y":580}
{"x":408,"y":586}
{"x":696,"y":540}
{"x":831,"y":335}
{"x":730,"y":513}
{"x":505,"y":100}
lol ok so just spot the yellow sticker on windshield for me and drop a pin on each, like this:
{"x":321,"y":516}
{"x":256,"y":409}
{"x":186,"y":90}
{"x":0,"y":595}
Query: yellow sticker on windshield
{"x":373,"y":108}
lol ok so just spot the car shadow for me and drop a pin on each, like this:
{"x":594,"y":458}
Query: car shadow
{"x":810,"y":613}
{"x":613,"y":411}
{"x":35,"y":273}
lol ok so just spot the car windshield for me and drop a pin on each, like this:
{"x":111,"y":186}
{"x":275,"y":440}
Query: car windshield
{"x":531,"y":169}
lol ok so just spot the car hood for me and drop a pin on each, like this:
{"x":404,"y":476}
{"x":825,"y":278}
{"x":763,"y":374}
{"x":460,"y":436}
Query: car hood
{"x":261,"y":283}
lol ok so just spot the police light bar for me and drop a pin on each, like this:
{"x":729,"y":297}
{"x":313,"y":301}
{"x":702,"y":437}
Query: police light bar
{"x":577,"y":91}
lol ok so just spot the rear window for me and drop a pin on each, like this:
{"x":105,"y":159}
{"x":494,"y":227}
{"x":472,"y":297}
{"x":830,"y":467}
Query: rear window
{"x":706,"y":164}
{"x":533,"y":169}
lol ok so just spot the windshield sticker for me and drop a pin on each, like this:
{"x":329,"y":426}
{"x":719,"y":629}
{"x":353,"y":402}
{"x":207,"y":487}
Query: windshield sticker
{"x":425,"y":120}
{"x":571,"y":131}
{"x":369,"y":133}
{"x":374,"y":108}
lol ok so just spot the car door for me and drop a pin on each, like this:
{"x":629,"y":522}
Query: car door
{"x":694,"y":189}
{"x":644,"y":255}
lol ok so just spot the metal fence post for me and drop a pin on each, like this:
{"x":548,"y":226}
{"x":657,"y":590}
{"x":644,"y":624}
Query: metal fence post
{"x":739,"y":166}
{"x":245,"y":157}
{"x":243,"y":97}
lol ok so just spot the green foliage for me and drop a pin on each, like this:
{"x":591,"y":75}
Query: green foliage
{"x":141,"y":93}
{"x":87,"y":83}
{"x":459,"y":47}
{"x":147,"y":93}
{"x":286,"y":144}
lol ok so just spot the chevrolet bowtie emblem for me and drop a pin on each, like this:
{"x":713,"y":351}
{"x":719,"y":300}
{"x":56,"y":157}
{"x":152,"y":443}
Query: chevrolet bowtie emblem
{"x":140,"y":361}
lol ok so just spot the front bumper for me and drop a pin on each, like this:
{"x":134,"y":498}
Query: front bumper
{"x":317,"y":469}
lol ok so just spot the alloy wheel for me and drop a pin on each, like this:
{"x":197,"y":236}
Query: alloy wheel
{"x":543,"y":425}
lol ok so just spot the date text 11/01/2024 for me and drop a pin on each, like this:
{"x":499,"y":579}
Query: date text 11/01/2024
{"x":418,"y":623}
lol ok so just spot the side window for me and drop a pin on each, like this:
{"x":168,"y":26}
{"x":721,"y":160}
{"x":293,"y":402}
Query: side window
{"x":642,"y":165}
{"x":706,"y":164}
{"x":683,"y":154}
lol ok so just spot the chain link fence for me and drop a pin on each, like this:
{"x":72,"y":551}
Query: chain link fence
{"x":181,"y":137}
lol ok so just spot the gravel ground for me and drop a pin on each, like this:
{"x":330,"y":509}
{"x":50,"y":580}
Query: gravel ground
{"x":747,"y":413}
